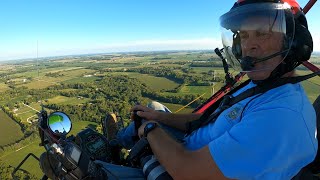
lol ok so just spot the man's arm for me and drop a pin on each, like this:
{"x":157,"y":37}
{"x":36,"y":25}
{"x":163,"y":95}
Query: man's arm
{"x":179,"y":162}
{"x":178,"y":120}
{"x":171,"y":119}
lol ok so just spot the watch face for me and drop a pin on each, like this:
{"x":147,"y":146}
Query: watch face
{"x":150,"y":125}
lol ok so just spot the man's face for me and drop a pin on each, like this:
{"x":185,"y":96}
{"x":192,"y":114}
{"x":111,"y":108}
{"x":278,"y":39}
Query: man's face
{"x":259,"y":41}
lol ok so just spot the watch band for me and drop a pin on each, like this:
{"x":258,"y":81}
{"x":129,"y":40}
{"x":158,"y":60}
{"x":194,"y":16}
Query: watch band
{"x":149,"y":127}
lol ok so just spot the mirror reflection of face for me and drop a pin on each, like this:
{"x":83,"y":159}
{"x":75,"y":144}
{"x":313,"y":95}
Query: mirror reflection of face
{"x":260,"y":38}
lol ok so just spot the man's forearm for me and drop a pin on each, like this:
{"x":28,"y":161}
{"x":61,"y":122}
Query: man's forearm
{"x":167,"y":151}
{"x":178,"y":120}
{"x":180,"y":162}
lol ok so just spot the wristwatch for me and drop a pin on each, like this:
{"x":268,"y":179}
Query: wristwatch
{"x":149,"y":127}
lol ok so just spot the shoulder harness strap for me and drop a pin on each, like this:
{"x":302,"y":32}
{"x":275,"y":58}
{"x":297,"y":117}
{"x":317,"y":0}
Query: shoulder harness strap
{"x":229,"y":100}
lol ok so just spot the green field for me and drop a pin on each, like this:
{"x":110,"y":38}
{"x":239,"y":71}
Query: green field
{"x":44,"y":81}
{"x":3,"y":87}
{"x":25,"y":112}
{"x":206,"y":91}
{"x":156,"y":83}
{"x":311,"y":86}
{"x":13,"y":158}
{"x":79,"y":125}
{"x":43,"y":72}
{"x":177,"y":107}
{"x":9,"y":130}
{"x":206,"y":69}
{"x":89,"y":69}
{"x":66,"y":100}
{"x":82,"y":80}
{"x":312,"y":90}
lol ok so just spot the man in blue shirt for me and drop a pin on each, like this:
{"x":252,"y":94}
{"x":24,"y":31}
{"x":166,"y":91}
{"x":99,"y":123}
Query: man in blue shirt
{"x":270,"y":135}
{"x":267,"y":135}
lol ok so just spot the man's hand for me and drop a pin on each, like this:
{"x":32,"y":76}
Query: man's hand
{"x":145,"y":113}
{"x":171,"y":119}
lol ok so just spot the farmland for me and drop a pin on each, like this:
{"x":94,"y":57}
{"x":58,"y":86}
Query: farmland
{"x":10,"y":131}
{"x":87,"y":87}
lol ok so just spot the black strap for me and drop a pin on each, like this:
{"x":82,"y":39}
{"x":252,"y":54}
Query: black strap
{"x":229,"y":100}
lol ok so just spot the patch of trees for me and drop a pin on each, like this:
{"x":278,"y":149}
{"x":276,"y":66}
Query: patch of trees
{"x":206,"y":64}
{"x":54,"y":74}
{"x":111,"y":93}
{"x":166,"y":72}
{"x":160,"y":58}
{"x":99,"y":58}
{"x":186,"y":76}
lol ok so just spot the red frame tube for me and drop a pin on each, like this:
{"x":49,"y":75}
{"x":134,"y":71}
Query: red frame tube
{"x":309,"y":6}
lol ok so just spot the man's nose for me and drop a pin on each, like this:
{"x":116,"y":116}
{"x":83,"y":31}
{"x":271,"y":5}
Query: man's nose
{"x":249,"y":44}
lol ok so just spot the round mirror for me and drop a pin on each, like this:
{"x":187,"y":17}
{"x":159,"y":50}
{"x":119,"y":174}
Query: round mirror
{"x":59,"y":123}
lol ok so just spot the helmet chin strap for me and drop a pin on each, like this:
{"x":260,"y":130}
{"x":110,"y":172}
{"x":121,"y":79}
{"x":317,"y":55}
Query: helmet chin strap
{"x":247,"y":62}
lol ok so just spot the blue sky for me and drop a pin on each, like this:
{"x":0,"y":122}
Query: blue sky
{"x":63,"y":27}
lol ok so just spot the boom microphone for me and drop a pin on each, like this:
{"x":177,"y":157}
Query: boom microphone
{"x":247,"y":62}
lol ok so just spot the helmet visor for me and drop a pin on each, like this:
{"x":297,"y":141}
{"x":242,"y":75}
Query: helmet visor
{"x":247,"y":28}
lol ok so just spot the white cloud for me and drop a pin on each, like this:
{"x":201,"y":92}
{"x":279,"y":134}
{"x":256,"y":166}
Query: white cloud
{"x":156,"y":45}
{"x":142,"y":45}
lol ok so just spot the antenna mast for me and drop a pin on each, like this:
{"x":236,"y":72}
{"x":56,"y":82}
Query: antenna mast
{"x":38,"y":68}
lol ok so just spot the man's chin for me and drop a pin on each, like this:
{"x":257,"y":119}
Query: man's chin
{"x":257,"y":75}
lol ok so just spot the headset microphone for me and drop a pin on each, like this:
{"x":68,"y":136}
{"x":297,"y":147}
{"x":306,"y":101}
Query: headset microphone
{"x":247,"y":62}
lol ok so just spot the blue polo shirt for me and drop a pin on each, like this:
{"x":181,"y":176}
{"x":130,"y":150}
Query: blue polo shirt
{"x":274,"y":139}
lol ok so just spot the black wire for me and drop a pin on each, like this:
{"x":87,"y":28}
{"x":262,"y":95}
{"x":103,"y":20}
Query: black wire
{"x":248,"y":104}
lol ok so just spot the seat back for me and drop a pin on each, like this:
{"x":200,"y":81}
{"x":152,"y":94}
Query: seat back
{"x":308,"y":172}
{"x":315,"y":165}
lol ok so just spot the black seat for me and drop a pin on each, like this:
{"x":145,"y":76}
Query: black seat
{"x":315,"y":165}
{"x":310,"y":171}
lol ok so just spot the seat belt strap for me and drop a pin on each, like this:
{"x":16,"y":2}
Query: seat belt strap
{"x":228,"y":100}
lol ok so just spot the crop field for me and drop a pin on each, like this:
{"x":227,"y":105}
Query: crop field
{"x":3,"y":87}
{"x":156,"y":83}
{"x":28,"y":115}
{"x":26,"y":112}
{"x":70,"y":74}
{"x":197,"y":90}
{"x":43,"y":71}
{"x":178,"y":108}
{"x":206,"y":69}
{"x":45,"y":81}
{"x":206,"y":90}
{"x":13,"y":158}
{"x":67,"y":100}
{"x":312,"y":90}
{"x":10,"y":130}
{"x":40,"y":84}
{"x":89,"y":69}
{"x":82,"y":80}
{"x":79,"y":125}
{"x":311,"y":86}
